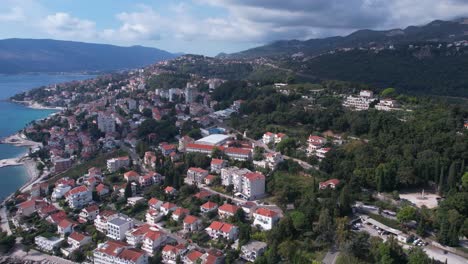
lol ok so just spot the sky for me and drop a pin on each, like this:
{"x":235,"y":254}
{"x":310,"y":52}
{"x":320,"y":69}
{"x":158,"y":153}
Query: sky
{"x":212,"y":26}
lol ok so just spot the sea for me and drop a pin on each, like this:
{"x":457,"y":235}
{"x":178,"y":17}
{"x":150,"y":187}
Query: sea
{"x":14,"y":117}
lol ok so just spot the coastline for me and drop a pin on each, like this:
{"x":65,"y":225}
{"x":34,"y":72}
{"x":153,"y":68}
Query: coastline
{"x":38,"y":106}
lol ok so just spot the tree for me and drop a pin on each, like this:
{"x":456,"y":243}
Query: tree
{"x":406,"y":214}
{"x":417,"y":256}
{"x":128,"y":190}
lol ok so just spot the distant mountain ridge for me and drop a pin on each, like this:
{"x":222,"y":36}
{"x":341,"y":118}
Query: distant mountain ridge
{"x":437,"y":30}
{"x":47,"y":55}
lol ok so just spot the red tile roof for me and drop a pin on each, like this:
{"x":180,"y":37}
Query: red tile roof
{"x":77,"y":236}
{"x":217,"y":161}
{"x":238,"y":151}
{"x":112,"y":247}
{"x":190,"y":219}
{"x":228,"y":208}
{"x":197,"y":170}
{"x":66,"y":223}
{"x":77,"y":190}
{"x":181,"y":211}
{"x":131,"y":254}
{"x":254,"y":176}
{"x":266,"y":212}
{"x":27,"y":204}
{"x":153,"y":201}
{"x":153,"y":235}
{"x":194,"y":255}
{"x":209,"y":205}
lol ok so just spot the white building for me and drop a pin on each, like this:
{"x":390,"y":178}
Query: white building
{"x":77,"y":240}
{"x":117,"y":227}
{"x":217,"y":164}
{"x":103,"y":219}
{"x":195,"y":176}
{"x":170,"y":253}
{"x":79,"y":197}
{"x":251,"y":185}
{"x":252,"y":250}
{"x":106,"y":123}
{"x":265,"y":218}
{"x":59,"y":191}
{"x":361,"y":102}
{"x":152,"y":240}
{"x":220,"y":229}
{"x":387,"y":105}
{"x":116,"y":252}
{"x":48,"y":244}
{"x":115,"y":164}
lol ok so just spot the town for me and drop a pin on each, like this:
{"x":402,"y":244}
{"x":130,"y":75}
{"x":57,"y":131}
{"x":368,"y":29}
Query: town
{"x":157,"y":166}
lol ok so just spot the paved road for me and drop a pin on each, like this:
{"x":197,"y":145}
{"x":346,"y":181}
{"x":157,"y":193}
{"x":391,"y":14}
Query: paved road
{"x":331,"y":256}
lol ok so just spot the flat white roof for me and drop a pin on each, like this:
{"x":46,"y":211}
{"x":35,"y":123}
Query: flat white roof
{"x":214,"y":139}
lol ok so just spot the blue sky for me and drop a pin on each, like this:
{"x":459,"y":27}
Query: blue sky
{"x":211,"y":26}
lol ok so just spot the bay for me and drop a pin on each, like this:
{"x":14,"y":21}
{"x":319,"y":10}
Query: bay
{"x":14,"y":117}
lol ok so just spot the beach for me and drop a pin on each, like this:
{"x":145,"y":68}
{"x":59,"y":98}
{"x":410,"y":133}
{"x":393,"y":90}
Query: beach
{"x":37,"y":106}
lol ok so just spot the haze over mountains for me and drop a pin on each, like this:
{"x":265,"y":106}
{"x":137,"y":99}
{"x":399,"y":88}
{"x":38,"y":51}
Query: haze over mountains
{"x":437,"y":30}
{"x":45,"y":55}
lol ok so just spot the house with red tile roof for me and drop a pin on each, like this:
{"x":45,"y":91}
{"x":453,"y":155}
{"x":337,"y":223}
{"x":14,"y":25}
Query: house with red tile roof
{"x":47,"y":210}
{"x":88,"y":213}
{"x":78,"y":197}
{"x":192,"y":257}
{"x":265,"y":218}
{"x":57,"y":217}
{"x":191,"y":223}
{"x":153,"y":240}
{"x":208,"y":207}
{"x":217,"y":164}
{"x":77,"y":240}
{"x":170,"y":190}
{"x":221,"y":229}
{"x":227,"y":210}
{"x":27,"y":208}
{"x":179,"y":213}
{"x":170,"y":253}
{"x":102,"y":190}
{"x":118,"y":252}
{"x":65,"y":227}
{"x":130,"y":176}
{"x":134,"y":237}
{"x":210,"y":179}
{"x":150,"y":159}
{"x":195,"y":176}
{"x":155,"y":203}
{"x":167,"y":207}
{"x":332,"y":183}
{"x":203,"y":194}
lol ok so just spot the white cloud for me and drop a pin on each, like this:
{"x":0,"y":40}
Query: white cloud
{"x":15,"y":14}
{"x":65,"y":25}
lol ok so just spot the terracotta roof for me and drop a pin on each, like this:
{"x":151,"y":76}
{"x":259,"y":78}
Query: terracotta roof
{"x":131,"y":174}
{"x":27,"y":204}
{"x":77,"y":236}
{"x":169,"y":189}
{"x":269,"y":134}
{"x":173,"y":249}
{"x":181,"y":211}
{"x":101,"y":187}
{"x":91,"y":208}
{"x":216,"y":225}
{"x":226,"y":228}
{"x":254,"y":176}
{"x":197,"y":170}
{"x":77,"y":190}
{"x":153,"y":201}
{"x":153,"y":235}
{"x":228,"y":208}
{"x":58,"y":217}
{"x":266,"y":212}
{"x":202,"y":194}
{"x":331,"y":181}
{"x":217,"y":161}
{"x":194,"y":255}
{"x":168,"y":205}
{"x":190,"y":219}
{"x":209,"y":205}
{"x":202,"y":146}
{"x":65,"y":223}
{"x":112,"y":247}
{"x":131,"y":254}
{"x":48,"y":209}
{"x":239,"y":151}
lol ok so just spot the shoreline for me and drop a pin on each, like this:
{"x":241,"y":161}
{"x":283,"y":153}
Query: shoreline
{"x":36,"y":105}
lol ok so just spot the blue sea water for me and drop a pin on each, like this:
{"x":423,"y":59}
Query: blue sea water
{"x":14,"y":117}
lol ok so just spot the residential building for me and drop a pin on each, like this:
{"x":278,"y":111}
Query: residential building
{"x":116,"y":252}
{"x":102,"y":190}
{"x":208,"y":207}
{"x":321,"y":153}
{"x":167,"y":207}
{"x":191,"y":223}
{"x":131,"y":176}
{"x":150,"y":159}
{"x":154,"y":203}
{"x":196,"y":176}
{"x":265,"y":218}
{"x":48,"y":244}
{"x":241,"y":154}
{"x":217,"y":165}
{"x":268,"y":138}
{"x":118,"y":226}
{"x":387,"y":105}
{"x":220,"y":229}
{"x":152,"y":240}
{"x":193,"y":257}
{"x":65,"y":227}
{"x":103,"y":219}
{"x":77,"y":240}
{"x":170,"y":253}
{"x":184,"y":141}
{"x":252,"y":250}
{"x":115,"y":164}
{"x":153,"y":216}
{"x":179,"y":213}
{"x":361,"y":102}
{"x":106,"y":122}
{"x":89,"y":213}
{"x":332,"y":183}
{"x":61,"y":165}
{"x":314,"y":143}
{"x":79,"y":197}
{"x":134,"y":236}
{"x":227,"y":210}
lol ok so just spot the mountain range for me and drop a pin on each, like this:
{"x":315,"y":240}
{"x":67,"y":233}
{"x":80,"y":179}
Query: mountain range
{"x":46,"y":55}
{"x":438,"y":30}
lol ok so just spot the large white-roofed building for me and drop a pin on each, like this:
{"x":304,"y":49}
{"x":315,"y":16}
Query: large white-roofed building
{"x":214,"y":140}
